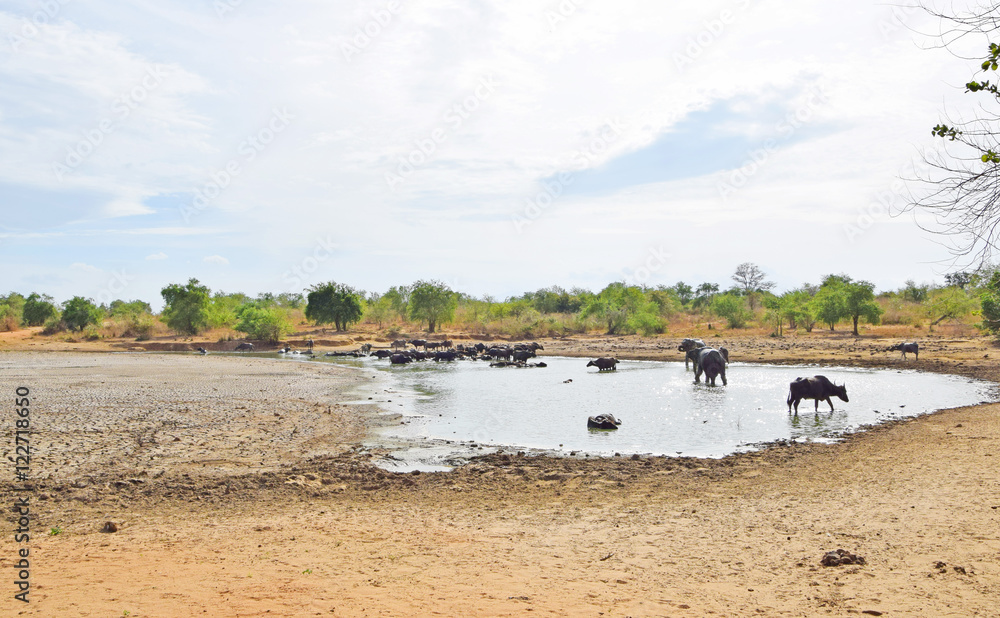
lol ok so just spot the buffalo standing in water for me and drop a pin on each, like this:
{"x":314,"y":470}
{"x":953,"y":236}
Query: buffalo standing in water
{"x":711,"y":362}
{"x":604,"y":364}
{"x":245,"y":347}
{"x":817,"y":388}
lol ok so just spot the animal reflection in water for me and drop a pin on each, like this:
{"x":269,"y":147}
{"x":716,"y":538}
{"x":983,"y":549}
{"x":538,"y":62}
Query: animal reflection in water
{"x":816,"y":388}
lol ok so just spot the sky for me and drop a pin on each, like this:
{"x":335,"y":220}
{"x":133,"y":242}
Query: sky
{"x":496,"y":146}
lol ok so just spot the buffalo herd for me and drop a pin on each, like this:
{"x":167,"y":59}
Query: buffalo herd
{"x":516,"y":355}
{"x":707,"y":361}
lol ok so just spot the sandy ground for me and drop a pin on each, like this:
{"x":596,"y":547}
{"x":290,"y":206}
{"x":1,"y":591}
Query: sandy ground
{"x":238,"y":489}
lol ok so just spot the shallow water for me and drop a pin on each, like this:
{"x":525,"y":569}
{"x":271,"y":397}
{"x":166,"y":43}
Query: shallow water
{"x":663,"y":411}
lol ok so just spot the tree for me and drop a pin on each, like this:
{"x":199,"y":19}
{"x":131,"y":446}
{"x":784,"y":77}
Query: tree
{"x":378,"y":309}
{"x":960,"y":187}
{"x":263,"y":323}
{"x":11,"y":311}
{"x":685,"y":293}
{"x":829,"y":304}
{"x":79,"y":312}
{"x":950,"y":303}
{"x":334,"y":303}
{"x":990,"y":301}
{"x":733,"y":309}
{"x":704,"y":294}
{"x":962,"y":279}
{"x":432,"y":302}
{"x":750,"y":278}
{"x":121,"y":307}
{"x":859,"y":302}
{"x":186,"y":308}
{"x":38,"y":309}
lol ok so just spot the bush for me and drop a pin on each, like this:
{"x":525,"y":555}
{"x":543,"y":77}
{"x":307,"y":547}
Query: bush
{"x":268,"y":324}
{"x":53,"y":325}
{"x":733,"y":309}
{"x":79,"y":313}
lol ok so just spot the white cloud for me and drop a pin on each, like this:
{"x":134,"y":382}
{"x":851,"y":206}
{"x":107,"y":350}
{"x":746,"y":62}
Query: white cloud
{"x":83,"y":267}
{"x":191,"y":109}
{"x":157,"y":256}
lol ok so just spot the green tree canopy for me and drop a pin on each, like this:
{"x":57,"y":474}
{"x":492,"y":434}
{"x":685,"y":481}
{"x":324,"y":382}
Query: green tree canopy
{"x":432,"y":302}
{"x":187,"y":307}
{"x":733,"y":309}
{"x":334,"y":303}
{"x":859,"y":302}
{"x":79,"y":312}
{"x":828,"y":304}
{"x":263,"y":323}
{"x":39,"y":308}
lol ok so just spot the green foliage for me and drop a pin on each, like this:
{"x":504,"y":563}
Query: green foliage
{"x":53,"y":325}
{"x":733,"y":309}
{"x":990,"y":301}
{"x":334,"y":303}
{"x":829,"y":304}
{"x":222,"y":309}
{"x":263,"y":323}
{"x":187,"y":307}
{"x":39,"y":308}
{"x":914,"y":292}
{"x":79,"y":312}
{"x":121,"y":307}
{"x":11,"y":311}
{"x":950,"y":303}
{"x":859,"y":302}
{"x":432,"y":302}
{"x":684,"y":293}
{"x":378,"y":309}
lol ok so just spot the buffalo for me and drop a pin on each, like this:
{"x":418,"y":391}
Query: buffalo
{"x":603,"y":421}
{"x":604,"y":364}
{"x":399,"y":359}
{"x":202,"y":351}
{"x":817,"y":388}
{"x":246,"y":346}
{"x":711,"y":362}
{"x":906,"y":347}
{"x":523,"y":355}
{"x":687,"y":345}
{"x":446,"y":355}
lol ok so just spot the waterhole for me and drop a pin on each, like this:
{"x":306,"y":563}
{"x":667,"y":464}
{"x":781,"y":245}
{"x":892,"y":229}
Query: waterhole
{"x":663,"y":412}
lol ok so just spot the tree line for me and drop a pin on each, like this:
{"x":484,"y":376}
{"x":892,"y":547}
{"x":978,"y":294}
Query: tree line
{"x":192,"y":308}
